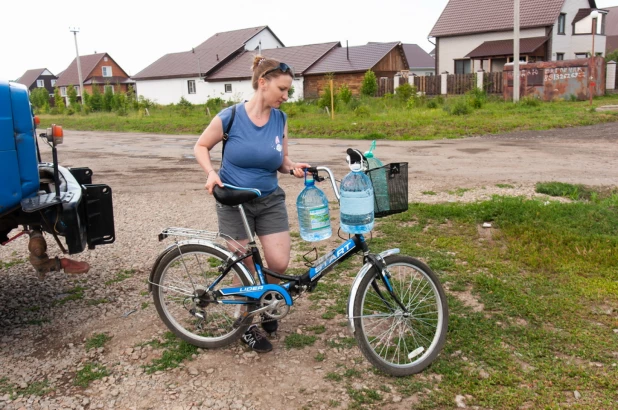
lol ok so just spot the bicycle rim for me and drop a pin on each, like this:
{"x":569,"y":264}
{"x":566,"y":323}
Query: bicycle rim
{"x":182,"y":273}
{"x":402,"y":342}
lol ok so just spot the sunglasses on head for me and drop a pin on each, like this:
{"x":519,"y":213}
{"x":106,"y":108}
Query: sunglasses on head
{"x":283,"y":67}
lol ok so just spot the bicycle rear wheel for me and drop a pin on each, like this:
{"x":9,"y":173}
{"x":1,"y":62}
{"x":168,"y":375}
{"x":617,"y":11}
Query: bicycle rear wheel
{"x":192,"y":268}
{"x":401,"y":342}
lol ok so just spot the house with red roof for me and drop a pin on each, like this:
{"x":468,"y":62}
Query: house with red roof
{"x":98,"y":70}
{"x":478,"y":34}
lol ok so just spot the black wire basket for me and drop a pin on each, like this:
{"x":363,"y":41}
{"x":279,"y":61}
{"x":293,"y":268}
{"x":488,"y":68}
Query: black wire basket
{"x":390,"y":188}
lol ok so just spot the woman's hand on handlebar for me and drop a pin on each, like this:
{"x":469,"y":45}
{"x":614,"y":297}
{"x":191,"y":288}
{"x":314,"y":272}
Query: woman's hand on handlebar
{"x":213,"y":179}
{"x":299,"y":170}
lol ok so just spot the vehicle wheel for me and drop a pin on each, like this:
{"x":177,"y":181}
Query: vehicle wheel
{"x":185,"y":270}
{"x":396,"y":342}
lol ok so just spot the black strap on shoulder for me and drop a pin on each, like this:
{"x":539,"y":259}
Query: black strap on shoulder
{"x":226,"y":134}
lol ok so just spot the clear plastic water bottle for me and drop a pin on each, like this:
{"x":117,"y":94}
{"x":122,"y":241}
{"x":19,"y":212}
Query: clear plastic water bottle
{"x":313,"y":214}
{"x":356,"y":202}
{"x":378,"y":179}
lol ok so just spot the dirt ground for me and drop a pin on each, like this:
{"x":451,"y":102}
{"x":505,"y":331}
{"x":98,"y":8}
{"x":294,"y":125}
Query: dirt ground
{"x":156,"y":183}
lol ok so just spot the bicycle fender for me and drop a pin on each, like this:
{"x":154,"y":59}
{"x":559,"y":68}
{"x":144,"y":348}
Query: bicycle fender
{"x":359,"y":277}
{"x":202,"y":242}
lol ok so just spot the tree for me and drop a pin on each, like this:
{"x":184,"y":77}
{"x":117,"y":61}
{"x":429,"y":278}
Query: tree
{"x":370,"y":84}
{"x":58,"y":101}
{"x":131,"y":97}
{"x":96,"y":100}
{"x":108,"y":98}
{"x":38,"y":97}
{"x":72,"y":94}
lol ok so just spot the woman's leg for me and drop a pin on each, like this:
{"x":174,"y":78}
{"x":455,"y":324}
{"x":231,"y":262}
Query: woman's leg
{"x":276,"y":252}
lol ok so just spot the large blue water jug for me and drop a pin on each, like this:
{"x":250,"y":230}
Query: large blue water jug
{"x":313,"y":214}
{"x":356,"y":203}
{"x":378,"y":180}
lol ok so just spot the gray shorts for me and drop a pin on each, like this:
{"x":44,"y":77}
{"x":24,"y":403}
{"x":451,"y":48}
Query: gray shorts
{"x":266,"y":215}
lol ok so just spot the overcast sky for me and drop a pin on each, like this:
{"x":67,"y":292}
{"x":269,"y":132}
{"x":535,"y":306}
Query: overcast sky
{"x":35,"y":33}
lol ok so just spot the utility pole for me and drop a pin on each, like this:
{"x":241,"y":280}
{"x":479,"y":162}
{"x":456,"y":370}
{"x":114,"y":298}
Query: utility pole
{"x":75,"y":30}
{"x":516,"y":54}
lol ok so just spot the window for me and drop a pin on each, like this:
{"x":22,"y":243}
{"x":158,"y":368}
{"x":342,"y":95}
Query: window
{"x":107,"y":71}
{"x":63,"y":91}
{"x":522,"y":59}
{"x":462,"y":66}
{"x":191,"y":86}
{"x":559,"y":56}
{"x":76,"y":89}
{"x":228,"y":88}
{"x":581,"y":55}
{"x":40,"y":83}
{"x":53,"y":82}
{"x":108,"y":87}
{"x":429,"y":73}
{"x":561,"y":23}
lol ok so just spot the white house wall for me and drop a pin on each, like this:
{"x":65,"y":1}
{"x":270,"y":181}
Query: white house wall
{"x":268,"y":41}
{"x":456,"y":48}
{"x":423,"y":71}
{"x":171,"y":90}
{"x":570,"y":44}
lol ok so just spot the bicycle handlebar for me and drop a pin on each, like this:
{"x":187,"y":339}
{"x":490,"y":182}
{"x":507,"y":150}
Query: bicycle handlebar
{"x":314,"y":171}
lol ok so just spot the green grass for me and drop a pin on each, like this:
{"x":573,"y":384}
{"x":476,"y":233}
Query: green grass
{"x":72,"y":294}
{"x":546,"y":277}
{"x":6,"y":265}
{"x":36,"y":388}
{"x":296,"y":341}
{"x":574,"y":192}
{"x":121,"y":276}
{"x":505,"y":186}
{"x":175,"y":351}
{"x":89,"y":373}
{"x":97,"y":340}
{"x":308,"y":121}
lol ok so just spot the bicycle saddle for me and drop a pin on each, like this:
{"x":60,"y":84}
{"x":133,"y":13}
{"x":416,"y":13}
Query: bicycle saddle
{"x":232,"y":195}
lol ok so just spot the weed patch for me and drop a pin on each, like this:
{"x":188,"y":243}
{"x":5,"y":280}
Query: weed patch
{"x":89,"y":373}
{"x":296,"y":341}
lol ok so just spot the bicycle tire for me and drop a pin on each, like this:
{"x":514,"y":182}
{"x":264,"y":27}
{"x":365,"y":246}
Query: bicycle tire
{"x":403,"y":345}
{"x":173,"y":305}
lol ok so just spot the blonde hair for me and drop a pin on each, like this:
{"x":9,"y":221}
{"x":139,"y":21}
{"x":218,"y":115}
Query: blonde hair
{"x":260,"y":66}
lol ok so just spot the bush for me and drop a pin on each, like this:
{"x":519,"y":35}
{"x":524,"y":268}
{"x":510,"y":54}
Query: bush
{"x":345,"y":94}
{"x":458,"y":107}
{"x":370,"y":84}
{"x":108,"y":98}
{"x":405,"y":91}
{"x":58,"y":102}
{"x":432,"y":103}
{"x":184,"y":103}
{"x":214,"y":104}
{"x":362,"y":111}
{"x":325,"y":100}
{"x":39,"y":97}
{"x":96,"y":100}
{"x":416,"y":101}
{"x":291,"y":92}
{"x":291,"y":110}
{"x":477,"y":97}
{"x":72,"y":94}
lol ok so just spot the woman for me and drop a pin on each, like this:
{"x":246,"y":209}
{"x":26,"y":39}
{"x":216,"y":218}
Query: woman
{"x":256,"y":149}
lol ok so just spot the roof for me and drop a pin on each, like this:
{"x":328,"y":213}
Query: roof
{"x":417,"y":57}
{"x":611,"y":21}
{"x":361,"y":58}
{"x":203,"y":58}
{"x":89,"y":62}
{"x":111,"y":80}
{"x":505,"y":47}
{"x":300,"y":58}
{"x":29,"y":77}
{"x":461,"y":17}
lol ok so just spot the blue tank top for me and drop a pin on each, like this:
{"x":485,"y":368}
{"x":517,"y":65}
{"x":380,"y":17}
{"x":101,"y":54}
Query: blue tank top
{"x":252,"y":154}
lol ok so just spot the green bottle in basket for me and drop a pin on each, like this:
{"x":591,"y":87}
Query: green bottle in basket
{"x":377,"y":173}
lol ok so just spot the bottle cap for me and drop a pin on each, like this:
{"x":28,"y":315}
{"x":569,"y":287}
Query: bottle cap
{"x":369,"y":154}
{"x":309,"y":179}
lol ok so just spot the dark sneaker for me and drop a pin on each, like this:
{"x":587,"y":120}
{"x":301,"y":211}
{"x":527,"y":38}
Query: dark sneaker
{"x":257,"y":340}
{"x":270,"y":326}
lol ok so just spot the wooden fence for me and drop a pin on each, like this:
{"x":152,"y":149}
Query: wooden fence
{"x":493,"y":82}
{"x":429,"y":85}
{"x":455,"y":83}
{"x":460,"y":83}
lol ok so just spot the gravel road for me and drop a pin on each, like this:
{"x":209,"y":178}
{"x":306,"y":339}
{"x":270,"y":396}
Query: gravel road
{"x":44,"y":325}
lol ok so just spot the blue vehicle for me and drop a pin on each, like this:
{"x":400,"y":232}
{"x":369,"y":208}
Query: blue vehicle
{"x":46,"y":198}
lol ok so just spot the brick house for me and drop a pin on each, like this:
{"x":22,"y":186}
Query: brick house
{"x":478,"y":34}
{"x":611,"y":30}
{"x":349,"y":64}
{"x":98,"y":70}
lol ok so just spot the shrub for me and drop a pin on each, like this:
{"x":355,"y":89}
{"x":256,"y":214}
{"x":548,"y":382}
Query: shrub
{"x":345,"y":94}
{"x":108,"y":98}
{"x":325,"y":99}
{"x":291,"y":92}
{"x":214,"y":104}
{"x":458,"y":107}
{"x":370,"y":84}
{"x":39,"y":97}
{"x":477,"y":97}
{"x":291,"y":110}
{"x":184,"y":103}
{"x":131,"y":97}
{"x":362,"y":111}
{"x":416,"y":101}
{"x":354,"y":103}
{"x":96,"y":100}
{"x":86,"y":98}
{"x":405,"y":91}
{"x":72,"y":94}
{"x":432,"y":103}
{"x":58,"y":102}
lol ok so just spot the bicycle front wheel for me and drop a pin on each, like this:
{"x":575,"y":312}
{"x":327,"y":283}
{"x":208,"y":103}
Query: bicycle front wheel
{"x":188,"y":270}
{"x":401,"y":339}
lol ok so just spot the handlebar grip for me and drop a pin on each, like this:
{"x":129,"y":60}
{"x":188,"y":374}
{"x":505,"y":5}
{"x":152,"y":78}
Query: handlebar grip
{"x":355,"y":156}
{"x":310,"y":169}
